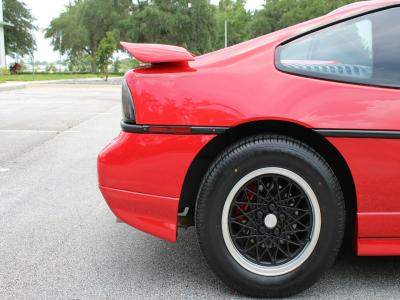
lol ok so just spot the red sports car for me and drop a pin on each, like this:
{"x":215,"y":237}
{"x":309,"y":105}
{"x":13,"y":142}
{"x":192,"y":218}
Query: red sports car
{"x":275,"y":149}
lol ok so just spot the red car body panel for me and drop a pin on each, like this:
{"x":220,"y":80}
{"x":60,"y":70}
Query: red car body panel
{"x":141,"y":176}
{"x":378,"y":247}
{"x":238,"y":85}
{"x":151,"y":213}
{"x":375,"y":167}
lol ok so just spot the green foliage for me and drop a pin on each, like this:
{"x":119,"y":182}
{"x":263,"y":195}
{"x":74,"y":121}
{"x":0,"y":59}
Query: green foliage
{"x":84,"y":23}
{"x":128,"y":64}
{"x":116,"y":65}
{"x":67,"y":33}
{"x":105,"y":51}
{"x":278,"y":14}
{"x":237,"y":20}
{"x":194,"y":24}
{"x":51,"y":68}
{"x":191,"y":24}
{"x":80,"y":62}
{"x":18,"y":38}
{"x":4,"y":71}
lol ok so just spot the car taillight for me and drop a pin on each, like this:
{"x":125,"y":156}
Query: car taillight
{"x":128,"y":110}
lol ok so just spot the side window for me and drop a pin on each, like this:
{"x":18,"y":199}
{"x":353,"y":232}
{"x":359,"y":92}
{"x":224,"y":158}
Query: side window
{"x":363,"y":50}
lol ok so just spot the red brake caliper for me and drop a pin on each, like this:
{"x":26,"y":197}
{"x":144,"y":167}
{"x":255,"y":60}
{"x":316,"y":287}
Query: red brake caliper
{"x":249,"y":197}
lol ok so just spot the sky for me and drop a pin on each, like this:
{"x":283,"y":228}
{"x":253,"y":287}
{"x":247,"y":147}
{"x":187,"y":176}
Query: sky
{"x":44,"y":11}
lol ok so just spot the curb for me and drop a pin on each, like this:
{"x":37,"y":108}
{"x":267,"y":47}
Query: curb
{"x":78,"y":81}
{"x":12,"y":86}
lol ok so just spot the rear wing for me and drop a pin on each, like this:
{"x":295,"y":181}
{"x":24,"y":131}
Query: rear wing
{"x":157,"y":53}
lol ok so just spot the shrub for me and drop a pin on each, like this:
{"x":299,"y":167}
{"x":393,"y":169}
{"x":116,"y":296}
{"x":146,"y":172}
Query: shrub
{"x":4,"y":71}
{"x":15,"y":68}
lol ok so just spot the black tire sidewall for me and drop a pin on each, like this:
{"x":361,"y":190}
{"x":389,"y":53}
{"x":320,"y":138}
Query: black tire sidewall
{"x":240,"y":161}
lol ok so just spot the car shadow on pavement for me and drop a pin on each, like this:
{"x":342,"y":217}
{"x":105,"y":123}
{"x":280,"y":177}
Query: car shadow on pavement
{"x":161,"y":269}
{"x":351,"y":276}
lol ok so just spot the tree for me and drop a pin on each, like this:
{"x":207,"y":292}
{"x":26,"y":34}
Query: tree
{"x":190,"y":24}
{"x":79,"y":63}
{"x":105,"y":52}
{"x":18,"y":38}
{"x":83,"y":24}
{"x":116,"y":65}
{"x":237,"y":17}
{"x":51,"y":68}
{"x":194,"y":24}
{"x":128,"y":64}
{"x":278,"y":14}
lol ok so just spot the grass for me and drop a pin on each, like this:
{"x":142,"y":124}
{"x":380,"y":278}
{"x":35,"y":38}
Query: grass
{"x":49,"y":76}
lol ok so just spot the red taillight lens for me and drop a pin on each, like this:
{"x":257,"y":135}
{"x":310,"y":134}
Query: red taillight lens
{"x":172,"y":129}
{"x":128,"y":110}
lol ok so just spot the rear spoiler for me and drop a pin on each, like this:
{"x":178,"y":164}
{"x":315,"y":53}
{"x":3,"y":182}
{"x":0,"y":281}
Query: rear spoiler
{"x":157,"y":53}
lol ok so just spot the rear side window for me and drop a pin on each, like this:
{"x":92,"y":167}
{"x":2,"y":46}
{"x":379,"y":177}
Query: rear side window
{"x":362,"y":50}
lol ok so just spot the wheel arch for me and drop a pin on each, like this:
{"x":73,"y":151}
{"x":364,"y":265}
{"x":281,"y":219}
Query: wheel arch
{"x":214,"y":148}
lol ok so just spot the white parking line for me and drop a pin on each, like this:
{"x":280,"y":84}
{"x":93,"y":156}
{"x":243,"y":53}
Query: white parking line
{"x":36,"y":131}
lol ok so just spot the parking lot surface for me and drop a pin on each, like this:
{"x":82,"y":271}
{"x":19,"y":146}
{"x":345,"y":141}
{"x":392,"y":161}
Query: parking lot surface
{"x":58,"y":239}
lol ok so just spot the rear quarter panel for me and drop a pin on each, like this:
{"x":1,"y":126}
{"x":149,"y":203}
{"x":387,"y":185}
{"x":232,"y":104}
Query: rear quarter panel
{"x":241,"y":86}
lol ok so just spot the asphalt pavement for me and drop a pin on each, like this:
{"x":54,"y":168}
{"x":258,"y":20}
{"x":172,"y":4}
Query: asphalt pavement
{"x":59,"y":240}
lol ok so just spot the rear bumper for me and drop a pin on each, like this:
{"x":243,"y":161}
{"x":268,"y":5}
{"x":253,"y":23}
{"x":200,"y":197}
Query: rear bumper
{"x":153,"y":214}
{"x":141,"y":177}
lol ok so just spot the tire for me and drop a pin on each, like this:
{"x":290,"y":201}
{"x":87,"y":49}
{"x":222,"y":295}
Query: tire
{"x":254,"y":247}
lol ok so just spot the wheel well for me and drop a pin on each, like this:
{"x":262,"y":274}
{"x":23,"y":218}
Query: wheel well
{"x":216,"y":146}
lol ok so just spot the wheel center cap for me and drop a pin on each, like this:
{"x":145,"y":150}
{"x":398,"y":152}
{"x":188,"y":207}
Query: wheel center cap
{"x":270,"y":221}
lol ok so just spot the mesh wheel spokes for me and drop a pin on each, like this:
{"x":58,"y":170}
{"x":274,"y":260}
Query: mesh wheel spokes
{"x":270,"y":220}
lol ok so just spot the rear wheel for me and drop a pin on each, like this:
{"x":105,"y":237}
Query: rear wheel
{"x":270,"y":216}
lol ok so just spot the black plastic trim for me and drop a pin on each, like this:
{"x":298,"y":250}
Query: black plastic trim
{"x":150,"y":129}
{"x":208,"y":130}
{"x":161,"y":129}
{"x":376,"y":134}
{"x":133,"y":127}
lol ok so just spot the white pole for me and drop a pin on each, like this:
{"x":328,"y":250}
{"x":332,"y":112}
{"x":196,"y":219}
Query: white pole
{"x":59,"y":67}
{"x":33,"y":65}
{"x":2,"y":43}
{"x":226,"y":33}
{"x":33,"y":60}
